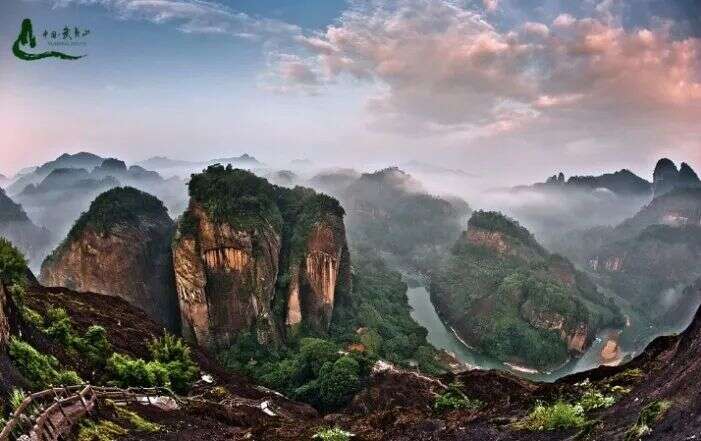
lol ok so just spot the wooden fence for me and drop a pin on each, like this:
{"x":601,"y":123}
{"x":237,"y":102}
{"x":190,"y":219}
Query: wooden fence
{"x":50,"y":415}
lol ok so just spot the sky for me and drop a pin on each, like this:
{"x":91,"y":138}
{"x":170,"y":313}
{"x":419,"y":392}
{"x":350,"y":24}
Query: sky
{"x":510,"y":91}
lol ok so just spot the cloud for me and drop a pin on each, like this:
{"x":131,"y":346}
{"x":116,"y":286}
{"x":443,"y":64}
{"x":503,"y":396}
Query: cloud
{"x":193,"y":16}
{"x":444,"y":68}
{"x":290,"y":73}
{"x":490,"y":5}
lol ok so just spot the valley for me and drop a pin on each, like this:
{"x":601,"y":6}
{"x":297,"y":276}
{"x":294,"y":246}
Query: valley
{"x":329,"y":300}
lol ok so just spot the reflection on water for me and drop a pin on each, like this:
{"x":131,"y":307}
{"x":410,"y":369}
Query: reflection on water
{"x":441,"y":336}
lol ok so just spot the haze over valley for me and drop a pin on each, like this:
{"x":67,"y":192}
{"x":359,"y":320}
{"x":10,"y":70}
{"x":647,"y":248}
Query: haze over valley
{"x":350,"y":220}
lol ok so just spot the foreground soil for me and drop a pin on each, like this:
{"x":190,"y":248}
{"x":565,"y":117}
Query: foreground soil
{"x":396,"y":404}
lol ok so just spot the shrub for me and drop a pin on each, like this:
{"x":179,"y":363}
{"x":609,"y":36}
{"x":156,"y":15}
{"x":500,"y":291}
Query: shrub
{"x":13,"y":265}
{"x":102,"y":431}
{"x":593,"y":399}
{"x":454,"y":399}
{"x":649,"y":416}
{"x":97,"y":346}
{"x":39,"y":369}
{"x":315,"y":352}
{"x":16,"y":398}
{"x":555,"y":416}
{"x":59,"y":326}
{"x":175,"y":356}
{"x":32,"y":317}
{"x":68,"y":378}
{"x":170,"y":348}
{"x":338,"y":382}
{"x":94,"y":343}
{"x":128,"y":372}
{"x":334,"y":434}
{"x":137,"y":421}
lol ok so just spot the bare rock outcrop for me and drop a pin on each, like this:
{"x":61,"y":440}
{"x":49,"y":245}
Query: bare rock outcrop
{"x":120,"y":247}
{"x":253,"y":257}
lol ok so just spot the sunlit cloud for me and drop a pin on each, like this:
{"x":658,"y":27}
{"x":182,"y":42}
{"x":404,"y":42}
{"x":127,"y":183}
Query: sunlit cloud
{"x":441,"y":64}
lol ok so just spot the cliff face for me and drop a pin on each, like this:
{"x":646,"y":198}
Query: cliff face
{"x":120,"y":247}
{"x":510,"y":298}
{"x":225,"y":280}
{"x":312,"y":288}
{"x":272,"y":260}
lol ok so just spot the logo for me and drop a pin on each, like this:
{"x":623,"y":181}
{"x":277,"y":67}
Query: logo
{"x":68,"y":36}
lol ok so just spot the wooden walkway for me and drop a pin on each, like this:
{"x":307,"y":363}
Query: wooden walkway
{"x":51,"y":415}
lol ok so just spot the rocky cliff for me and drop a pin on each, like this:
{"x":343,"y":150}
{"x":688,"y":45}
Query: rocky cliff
{"x":120,"y":247}
{"x":510,"y":298}
{"x":32,"y":240}
{"x":253,"y":257}
{"x":666,"y":177}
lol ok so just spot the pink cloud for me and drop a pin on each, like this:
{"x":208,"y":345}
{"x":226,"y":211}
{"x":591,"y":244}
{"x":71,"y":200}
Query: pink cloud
{"x":440,"y":65}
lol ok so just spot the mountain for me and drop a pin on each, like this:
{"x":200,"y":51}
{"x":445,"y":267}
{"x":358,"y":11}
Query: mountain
{"x":15,"y":226}
{"x":243,"y":161}
{"x":120,"y":246}
{"x":650,"y":257}
{"x":57,"y":193}
{"x":424,"y":167}
{"x":390,"y":210}
{"x":82,"y":160}
{"x":666,"y":177}
{"x":511,"y":299}
{"x":162,"y":162}
{"x":250,"y":256}
{"x":4,"y":180}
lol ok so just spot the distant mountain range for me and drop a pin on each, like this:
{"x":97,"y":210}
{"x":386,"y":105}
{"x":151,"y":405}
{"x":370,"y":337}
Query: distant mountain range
{"x":165,"y":163}
{"x":666,"y":177}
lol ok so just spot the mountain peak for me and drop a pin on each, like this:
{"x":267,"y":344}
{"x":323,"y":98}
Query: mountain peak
{"x":667,"y":177}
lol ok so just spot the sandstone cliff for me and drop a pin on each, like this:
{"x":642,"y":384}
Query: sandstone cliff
{"x":508,"y":297}
{"x":253,"y":257}
{"x":120,"y":247}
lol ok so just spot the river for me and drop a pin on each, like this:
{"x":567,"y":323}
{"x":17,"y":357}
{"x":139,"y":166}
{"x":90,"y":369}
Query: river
{"x":442,"y":337}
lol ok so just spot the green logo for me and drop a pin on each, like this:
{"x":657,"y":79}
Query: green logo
{"x":26,"y":38}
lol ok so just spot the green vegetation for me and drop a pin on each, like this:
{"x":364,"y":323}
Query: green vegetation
{"x":100,"y":431}
{"x":237,"y":197}
{"x":17,"y":397}
{"x":566,"y":415}
{"x":13,"y":265}
{"x":334,"y":434}
{"x":118,"y":206}
{"x":171,"y":366}
{"x":455,"y":399}
{"x":502,"y":301}
{"x":493,"y":221}
{"x":559,"y":415}
{"x":374,"y":321}
{"x":378,"y":316}
{"x":41,"y":370}
{"x":649,"y":416}
{"x":58,"y":326}
{"x":139,"y":423}
{"x":601,"y":396}
{"x":309,"y":369}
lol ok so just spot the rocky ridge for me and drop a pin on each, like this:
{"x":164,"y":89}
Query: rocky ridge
{"x":264,"y":259}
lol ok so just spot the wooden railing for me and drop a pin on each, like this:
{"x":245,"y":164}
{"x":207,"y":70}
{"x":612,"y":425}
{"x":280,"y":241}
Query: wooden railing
{"x":51,"y":414}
